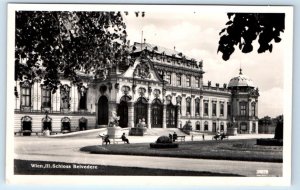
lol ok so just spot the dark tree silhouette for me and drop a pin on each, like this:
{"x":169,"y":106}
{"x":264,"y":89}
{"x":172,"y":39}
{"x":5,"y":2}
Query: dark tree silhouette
{"x":49,"y":45}
{"x":243,"y":28}
{"x":279,"y":128}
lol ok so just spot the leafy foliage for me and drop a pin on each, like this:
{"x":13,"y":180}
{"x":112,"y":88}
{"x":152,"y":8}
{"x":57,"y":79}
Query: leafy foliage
{"x":279,"y":128}
{"x":243,"y":28}
{"x":51,"y":45}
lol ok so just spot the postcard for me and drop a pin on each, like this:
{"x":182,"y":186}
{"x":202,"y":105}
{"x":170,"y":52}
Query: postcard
{"x":187,"y":95}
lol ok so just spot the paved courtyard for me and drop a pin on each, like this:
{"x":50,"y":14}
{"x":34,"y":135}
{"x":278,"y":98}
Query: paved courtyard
{"x":67,"y":150}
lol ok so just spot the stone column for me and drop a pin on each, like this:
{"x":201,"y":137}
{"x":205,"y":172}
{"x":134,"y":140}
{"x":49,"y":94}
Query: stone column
{"x":164,"y":116}
{"x":149,"y":115}
{"x":178,"y":116}
{"x":130,"y":114}
{"x":201,"y":107}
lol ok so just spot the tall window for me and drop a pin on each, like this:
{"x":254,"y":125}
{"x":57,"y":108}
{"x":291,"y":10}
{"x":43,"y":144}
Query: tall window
{"x":197,"y":106}
{"x":168,"y":78}
{"x":228,"y":109}
{"x":205,"y":126}
{"x":65,"y":97}
{"x":46,"y":97}
{"x":221,"y":109}
{"x":82,"y":98}
{"x":243,"y":106}
{"x":188,"y":81}
{"x":197,"y":82}
{"x":26,"y":94}
{"x":188,"y":106}
{"x":206,"y":108}
{"x":178,"y":79}
{"x":253,"y":109}
{"x":214,"y":108}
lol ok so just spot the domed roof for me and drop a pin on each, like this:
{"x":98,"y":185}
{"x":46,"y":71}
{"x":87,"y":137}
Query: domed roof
{"x":241,"y":81}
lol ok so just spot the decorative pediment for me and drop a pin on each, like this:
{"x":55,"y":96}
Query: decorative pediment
{"x":25,"y":84}
{"x":142,"y":70}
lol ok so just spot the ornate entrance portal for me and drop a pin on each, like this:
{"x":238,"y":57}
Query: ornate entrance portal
{"x":157,"y":113}
{"x":123,"y":111}
{"x":171,"y":116}
{"x":103,"y":111}
{"x":140,"y":110}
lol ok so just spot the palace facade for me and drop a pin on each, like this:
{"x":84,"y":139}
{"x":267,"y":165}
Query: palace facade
{"x":162,"y":86}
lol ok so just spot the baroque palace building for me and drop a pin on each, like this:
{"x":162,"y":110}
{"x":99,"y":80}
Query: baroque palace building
{"x":162,"y":86}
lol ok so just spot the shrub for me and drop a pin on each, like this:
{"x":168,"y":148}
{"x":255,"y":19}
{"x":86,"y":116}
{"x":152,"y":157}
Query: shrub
{"x":163,"y":140}
{"x":163,"y":145}
{"x":269,"y":142}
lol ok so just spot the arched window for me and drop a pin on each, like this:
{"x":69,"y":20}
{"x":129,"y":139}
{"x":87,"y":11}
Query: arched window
{"x":140,"y":110}
{"x":26,"y":125}
{"x":82,"y":91}
{"x":82,"y":124}
{"x":205,"y":126}
{"x":103,"y":110}
{"x":65,"y":124}
{"x":156,"y":113}
{"x":188,"y":106}
{"x":123,"y":111}
{"x":47,"y":123}
{"x":222,"y":126}
{"x":197,"y":106}
{"x":198,"y":126}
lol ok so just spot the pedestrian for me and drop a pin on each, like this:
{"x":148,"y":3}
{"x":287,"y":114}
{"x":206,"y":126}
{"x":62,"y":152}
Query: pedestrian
{"x":203,"y":137}
{"x":106,"y":139}
{"x":125,"y":139}
{"x":174,"y":137}
{"x":170,"y":136}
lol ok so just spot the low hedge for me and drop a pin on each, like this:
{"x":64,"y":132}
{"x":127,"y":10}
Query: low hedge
{"x":163,"y":145}
{"x":269,"y":142}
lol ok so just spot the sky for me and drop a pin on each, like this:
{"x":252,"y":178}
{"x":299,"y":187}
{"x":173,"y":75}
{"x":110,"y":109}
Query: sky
{"x":196,"y":35}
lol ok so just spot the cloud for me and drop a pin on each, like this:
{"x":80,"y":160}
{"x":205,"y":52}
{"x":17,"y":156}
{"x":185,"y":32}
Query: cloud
{"x":271,"y":102}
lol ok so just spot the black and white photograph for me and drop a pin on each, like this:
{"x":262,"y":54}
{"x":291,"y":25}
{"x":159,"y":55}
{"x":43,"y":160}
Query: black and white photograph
{"x":121,"y":92}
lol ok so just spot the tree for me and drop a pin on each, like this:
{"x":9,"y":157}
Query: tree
{"x":244,"y":28}
{"x":54,"y":44}
{"x":279,"y":128}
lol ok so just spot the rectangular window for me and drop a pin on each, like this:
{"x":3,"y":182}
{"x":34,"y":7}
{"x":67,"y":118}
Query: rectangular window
{"x":26,"y":97}
{"x":197,"y":82}
{"x":243,"y":109}
{"x":46,"y":98}
{"x":206,"y":108}
{"x":221,"y":109}
{"x":253,"y":109}
{"x":178,"y":79}
{"x":188,"y":81}
{"x":188,"y":107}
{"x":228,"y":109}
{"x":214,"y":109}
{"x":168,"y":78}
